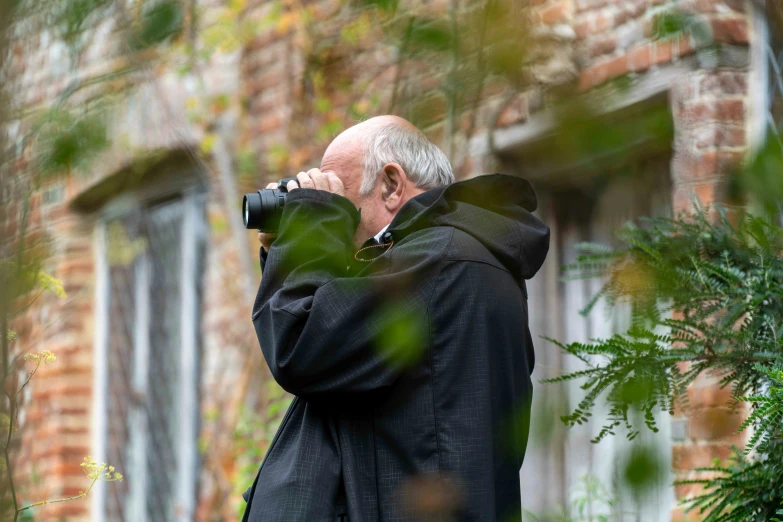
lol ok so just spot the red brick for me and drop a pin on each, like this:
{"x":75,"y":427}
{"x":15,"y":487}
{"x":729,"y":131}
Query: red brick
{"x":714,"y":423}
{"x":556,"y":13}
{"x":719,"y":135}
{"x":708,"y":396}
{"x":582,"y":29}
{"x":724,"y":83}
{"x":602,"y":22}
{"x":593,"y":24}
{"x":639,"y":58}
{"x":663,"y":52}
{"x":724,"y":111}
{"x":602,"y":46}
{"x":706,"y":166}
{"x":620,"y":17}
{"x":688,"y":456}
{"x":637,"y":8}
{"x":68,"y":468}
{"x":733,"y":30}
{"x":707,"y":192}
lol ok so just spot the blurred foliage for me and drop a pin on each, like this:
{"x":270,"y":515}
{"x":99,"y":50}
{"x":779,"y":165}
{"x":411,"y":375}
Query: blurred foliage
{"x":67,"y":141}
{"x":750,"y":487}
{"x":254,"y":434}
{"x":747,"y":489}
{"x":159,"y":20}
{"x":72,"y":17}
{"x":706,"y":290}
{"x":402,"y":337}
{"x":767,"y":414}
{"x":643,"y":470}
{"x":673,"y":21}
{"x":762,"y":179}
{"x":591,"y":501}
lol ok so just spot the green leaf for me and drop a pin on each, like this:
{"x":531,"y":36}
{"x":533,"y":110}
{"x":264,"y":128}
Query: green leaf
{"x":72,"y":17}
{"x":68,"y":141}
{"x":432,"y":35}
{"x":159,"y":22}
{"x":387,"y":6}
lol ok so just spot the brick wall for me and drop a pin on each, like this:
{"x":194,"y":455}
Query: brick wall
{"x":588,"y":43}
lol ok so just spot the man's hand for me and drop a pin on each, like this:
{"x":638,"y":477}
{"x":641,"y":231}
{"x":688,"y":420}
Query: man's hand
{"x":312,"y":179}
{"x":315,"y":179}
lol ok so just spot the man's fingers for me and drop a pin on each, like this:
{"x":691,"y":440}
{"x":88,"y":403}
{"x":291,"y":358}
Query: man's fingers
{"x":319,"y":179}
{"x":305,"y":181}
{"x":335,"y":184}
{"x":315,"y":179}
{"x":272,"y":186}
{"x":292,"y":186}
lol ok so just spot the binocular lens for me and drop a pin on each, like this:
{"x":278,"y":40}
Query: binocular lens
{"x":263,"y":209}
{"x":252,"y":214}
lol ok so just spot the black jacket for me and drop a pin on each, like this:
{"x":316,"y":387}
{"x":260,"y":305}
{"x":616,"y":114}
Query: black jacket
{"x":411,"y":368}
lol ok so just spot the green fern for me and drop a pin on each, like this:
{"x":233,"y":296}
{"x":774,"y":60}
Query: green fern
{"x":715,"y":287}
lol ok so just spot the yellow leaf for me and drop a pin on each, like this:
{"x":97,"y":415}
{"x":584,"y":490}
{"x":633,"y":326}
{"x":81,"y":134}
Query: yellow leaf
{"x":286,"y":20}
{"x":208,"y":142}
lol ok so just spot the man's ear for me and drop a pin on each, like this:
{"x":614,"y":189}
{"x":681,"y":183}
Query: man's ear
{"x":394,"y":182}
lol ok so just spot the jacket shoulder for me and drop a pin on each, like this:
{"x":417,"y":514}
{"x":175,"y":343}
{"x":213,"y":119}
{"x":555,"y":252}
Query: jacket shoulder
{"x":465,"y":247}
{"x":446,"y":243}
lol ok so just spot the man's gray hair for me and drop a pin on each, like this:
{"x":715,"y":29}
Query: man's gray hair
{"x":424,"y":163}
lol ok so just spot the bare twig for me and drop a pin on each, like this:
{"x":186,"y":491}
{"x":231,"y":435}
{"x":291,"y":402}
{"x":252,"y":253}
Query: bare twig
{"x":44,"y":502}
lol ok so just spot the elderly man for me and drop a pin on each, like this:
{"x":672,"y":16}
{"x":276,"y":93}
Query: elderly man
{"x":393,"y":307}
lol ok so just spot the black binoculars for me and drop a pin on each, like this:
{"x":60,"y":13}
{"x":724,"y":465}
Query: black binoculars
{"x":264,"y":208}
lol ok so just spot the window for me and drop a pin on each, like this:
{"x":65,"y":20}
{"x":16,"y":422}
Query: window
{"x":147,"y":356}
{"x":553,"y":472}
{"x":766,"y":76}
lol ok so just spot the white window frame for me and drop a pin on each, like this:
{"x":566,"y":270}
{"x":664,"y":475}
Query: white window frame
{"x":193,"y":233}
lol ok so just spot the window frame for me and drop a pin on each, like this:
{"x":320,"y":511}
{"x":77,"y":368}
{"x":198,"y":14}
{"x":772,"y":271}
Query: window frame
{"x":193,"y":238}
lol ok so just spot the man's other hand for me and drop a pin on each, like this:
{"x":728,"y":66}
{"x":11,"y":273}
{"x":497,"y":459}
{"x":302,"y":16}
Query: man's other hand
{"x":315,"y":179}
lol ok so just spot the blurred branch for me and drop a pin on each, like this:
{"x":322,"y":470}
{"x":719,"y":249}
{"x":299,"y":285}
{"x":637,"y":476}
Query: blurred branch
{"x":480,"y":67}
{"x":74,"y":86}
{"x":403,"y":48}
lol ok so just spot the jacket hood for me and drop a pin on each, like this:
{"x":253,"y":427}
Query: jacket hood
{"x":496,"y":209}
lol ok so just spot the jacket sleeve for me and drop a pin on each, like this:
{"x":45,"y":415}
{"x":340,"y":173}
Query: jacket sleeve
{"x":323,"y":332}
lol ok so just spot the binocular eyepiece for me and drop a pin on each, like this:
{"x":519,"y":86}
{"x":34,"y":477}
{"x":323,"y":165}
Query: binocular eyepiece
{"x":264,"y":208}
